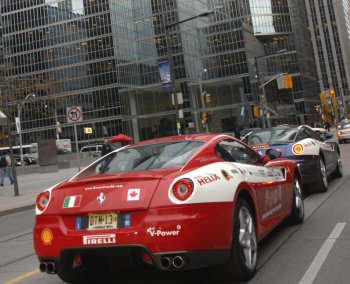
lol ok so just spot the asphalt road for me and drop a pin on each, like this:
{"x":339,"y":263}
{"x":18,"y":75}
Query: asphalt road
{"x":317,"y":251}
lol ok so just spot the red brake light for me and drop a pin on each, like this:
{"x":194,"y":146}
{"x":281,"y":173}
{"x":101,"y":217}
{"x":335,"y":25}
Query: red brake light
{"x":43,"y":200}
{"x":183,"y":189}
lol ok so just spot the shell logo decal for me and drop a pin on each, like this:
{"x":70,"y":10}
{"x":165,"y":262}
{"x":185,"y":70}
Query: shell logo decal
{"x":47,"y":236}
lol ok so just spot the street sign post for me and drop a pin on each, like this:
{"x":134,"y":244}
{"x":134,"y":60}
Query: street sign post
{"x":74,"y":115}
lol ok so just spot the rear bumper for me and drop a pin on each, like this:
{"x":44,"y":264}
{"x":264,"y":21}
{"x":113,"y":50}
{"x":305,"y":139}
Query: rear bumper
{"x":201,"y":233}
{"x":343,"y":137}
{"x":130,"y":256}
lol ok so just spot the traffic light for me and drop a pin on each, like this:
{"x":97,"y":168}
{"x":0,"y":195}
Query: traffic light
{"x":332,"y":93}
{"x":317,"y":109}
{"x":287,"y":80}
{"x":255,"y":111}
{"x":207,"y":98}
{"x":204,"y":117}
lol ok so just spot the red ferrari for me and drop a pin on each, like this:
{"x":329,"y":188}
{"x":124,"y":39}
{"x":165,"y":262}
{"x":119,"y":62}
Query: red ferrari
{"x":168,"y":204}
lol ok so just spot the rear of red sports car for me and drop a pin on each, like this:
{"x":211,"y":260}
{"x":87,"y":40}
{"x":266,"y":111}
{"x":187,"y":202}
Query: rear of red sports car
{"x":115,"y":215}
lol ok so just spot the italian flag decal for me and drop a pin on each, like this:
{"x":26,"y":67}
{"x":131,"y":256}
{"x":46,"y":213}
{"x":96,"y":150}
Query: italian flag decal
{"x":71,"y":201}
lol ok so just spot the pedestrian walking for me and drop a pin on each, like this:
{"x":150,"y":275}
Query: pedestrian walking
{"x":5,"y":168}
{"x":327,"y":126}
{"x":106,"y":148}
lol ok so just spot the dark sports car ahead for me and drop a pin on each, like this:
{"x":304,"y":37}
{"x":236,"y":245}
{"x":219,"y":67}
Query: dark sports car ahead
{"x":317,"y":158}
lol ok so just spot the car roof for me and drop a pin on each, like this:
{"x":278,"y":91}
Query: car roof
{"x":204,"y":137}
{"x":280,"y":127}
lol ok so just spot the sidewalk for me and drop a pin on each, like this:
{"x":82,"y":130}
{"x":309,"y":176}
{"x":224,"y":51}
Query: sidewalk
{"x":29,"y":186}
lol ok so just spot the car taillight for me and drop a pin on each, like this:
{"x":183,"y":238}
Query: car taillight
{"x":298,"y":149}
{"x":183,"y":189}
{"x":43,"y":200}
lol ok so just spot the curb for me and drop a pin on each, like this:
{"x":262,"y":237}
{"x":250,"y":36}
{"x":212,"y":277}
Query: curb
{"x":16,"y":209}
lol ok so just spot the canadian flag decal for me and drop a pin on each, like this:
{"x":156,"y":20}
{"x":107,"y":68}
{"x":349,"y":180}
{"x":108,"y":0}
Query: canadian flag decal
{"x":133,"y":194}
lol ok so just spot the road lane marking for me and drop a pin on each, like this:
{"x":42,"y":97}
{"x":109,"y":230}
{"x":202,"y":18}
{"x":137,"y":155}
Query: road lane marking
{"x":19,"y":278}
{"x":322,"y":254}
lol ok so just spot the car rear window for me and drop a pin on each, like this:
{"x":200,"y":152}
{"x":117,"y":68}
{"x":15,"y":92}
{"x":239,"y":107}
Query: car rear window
{"x":272,"y":136}
{"x":145,"y":157}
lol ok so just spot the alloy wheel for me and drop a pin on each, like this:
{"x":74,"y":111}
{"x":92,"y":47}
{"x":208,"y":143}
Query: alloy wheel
{"x":247,"y":237}
{"x":299,"y":203}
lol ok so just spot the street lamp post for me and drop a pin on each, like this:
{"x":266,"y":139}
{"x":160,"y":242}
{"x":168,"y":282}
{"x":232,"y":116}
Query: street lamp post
{"x":171,"y":65}
{"x":19,"y":109}
{"x":268,"y":122}
{"x":262,"y":97}
{"x":206,"y":125}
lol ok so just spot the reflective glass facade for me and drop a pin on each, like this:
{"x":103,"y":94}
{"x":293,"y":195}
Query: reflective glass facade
{"x":282,"y":26}
{"x":103,"y":56}
{"x":330,"y":32}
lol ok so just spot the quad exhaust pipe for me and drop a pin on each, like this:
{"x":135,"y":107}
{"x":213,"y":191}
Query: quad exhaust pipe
{"x":48,"y":267}
{"x":42,"y":266}
{"x":176,"y":262}
{"x":166,"y":262}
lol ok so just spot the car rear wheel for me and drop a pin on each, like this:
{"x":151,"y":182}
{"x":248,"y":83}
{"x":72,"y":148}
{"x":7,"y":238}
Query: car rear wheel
{"x":244,"y":253}
{"x":297,"y":214}
{"x":339,"y":169}
{"x":322,"y":183}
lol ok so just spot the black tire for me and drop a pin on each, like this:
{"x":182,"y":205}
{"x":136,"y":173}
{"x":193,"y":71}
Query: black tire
{"x":244,"y":251}
{"x":297,"y":214}
{"x":322,"y":183}
{"x":338,"y":173}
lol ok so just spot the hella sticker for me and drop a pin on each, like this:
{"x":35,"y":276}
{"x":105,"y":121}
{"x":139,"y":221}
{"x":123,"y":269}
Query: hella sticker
{"x":208,"y":179}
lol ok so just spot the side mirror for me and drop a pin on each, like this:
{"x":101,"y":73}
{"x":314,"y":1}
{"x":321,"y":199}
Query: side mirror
{"x":263,"y":159}
{"x":326,"y":136}
{"x":273,"y":153}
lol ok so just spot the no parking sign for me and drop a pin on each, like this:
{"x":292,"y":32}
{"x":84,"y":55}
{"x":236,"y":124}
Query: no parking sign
{"x":74,"y":114}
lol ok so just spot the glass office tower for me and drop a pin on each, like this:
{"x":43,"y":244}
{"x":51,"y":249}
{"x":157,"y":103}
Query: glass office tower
{"x":282,"y":27}
{"x":103,"y":55}
{"x":330,"y":33}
